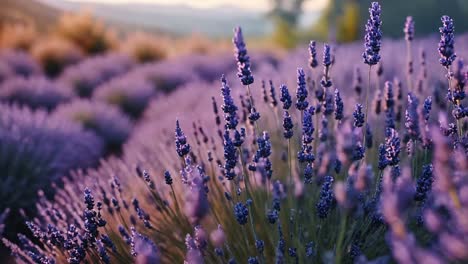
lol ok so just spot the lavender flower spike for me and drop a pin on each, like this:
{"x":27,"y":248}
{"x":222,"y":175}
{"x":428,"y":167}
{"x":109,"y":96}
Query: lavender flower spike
{"x":412,"y":117}
{"x":241,"y":212}
{"x":339,"y":106}
{"x":243,"y":60}
{"x":409,"y":28}
{"x":327,"y":61}
{"x":228,"y":106}
{"x":446,"y":43}
{"x":287,"y":125}
{"x":285,"y":97}
{"x":327,"y":199}
{"x":182,"y":147}
{"x":358,"y":116}
{"x":301,"y":92}
{"x":313,"y":63}
{"x":373,"y":36}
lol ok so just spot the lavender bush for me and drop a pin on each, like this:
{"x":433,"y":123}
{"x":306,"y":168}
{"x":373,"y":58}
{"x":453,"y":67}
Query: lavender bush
{"x":36,"y":151}
{"x":34,"y":92}
{"x":106,"y":121}
{"x":128,"y":93}
{"x":84,"y":77}
{"x":20,"y":63}
{"x":164,"y":76}
{"x":292,"y":170}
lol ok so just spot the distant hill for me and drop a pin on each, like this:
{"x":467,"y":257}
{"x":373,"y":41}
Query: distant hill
{"x":177,"y":19}
{"x":28,"y":11}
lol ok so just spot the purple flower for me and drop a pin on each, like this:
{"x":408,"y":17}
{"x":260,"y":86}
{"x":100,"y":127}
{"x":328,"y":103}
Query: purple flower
{"x":241,"y":212}
{"x":182,"y":146}
{"x":243,"y":60}
{"x":285,"y":98}
{"x":426,"y":111}
{"x":392,"y":147}
{"x":308,"y":126}
{"x":168,"y":178}
{"x":327,"y":61}
{"x":287,"y":125}
{"x":274,"y":102}
{"x":358,"y":116}
{"x":339,"y":106}
{"x":412,"y":117}
{"x":230,"y":156}
{"x":373,"y":36}
{"x":326,"y":199}
{"x":409,"y":28}
{"x":301,"y":92}
{"x":389,"y":97}
{"x":424,"y":183}
{"x":313,"y":54}
{"x":229,"y":108}
{"x":447,"y":41}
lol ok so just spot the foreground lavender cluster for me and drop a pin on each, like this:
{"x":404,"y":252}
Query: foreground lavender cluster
{"x":275,"y":174}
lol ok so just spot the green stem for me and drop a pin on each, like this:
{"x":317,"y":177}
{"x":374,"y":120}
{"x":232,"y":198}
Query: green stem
{"x":289,"y":164}
{"x":367,"y":109}
{"x":410,"y":59}
{"x":341,"y":237}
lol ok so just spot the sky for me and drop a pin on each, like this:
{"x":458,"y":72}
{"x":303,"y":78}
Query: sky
{"x":263,"y":5}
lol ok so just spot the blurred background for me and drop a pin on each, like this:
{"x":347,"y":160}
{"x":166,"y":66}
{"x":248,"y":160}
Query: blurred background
{"x":98,"y":25}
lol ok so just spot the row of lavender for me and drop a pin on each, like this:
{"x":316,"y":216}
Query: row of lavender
{"x":329,"y":182}
{"x":50,"y":126}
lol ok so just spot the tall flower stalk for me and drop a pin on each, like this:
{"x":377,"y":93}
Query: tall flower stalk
{"x":447,"y":57}
{"x":372,"y":44}
{"x":243,"y":65}
{"x":409,"y":36}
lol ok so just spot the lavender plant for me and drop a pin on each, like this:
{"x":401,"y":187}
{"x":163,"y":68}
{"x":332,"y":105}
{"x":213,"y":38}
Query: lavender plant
{"x":106,"y":121}
{"x":83,"y":78}
{"x":20,"y":63}
{"x":200,"y":186}
{"x":36,"y":151}
{"x":34,"y":92}
{"x":132,"y":95}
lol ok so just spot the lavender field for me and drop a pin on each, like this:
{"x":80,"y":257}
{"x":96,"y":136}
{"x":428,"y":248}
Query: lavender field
{"x":164,"y":151}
